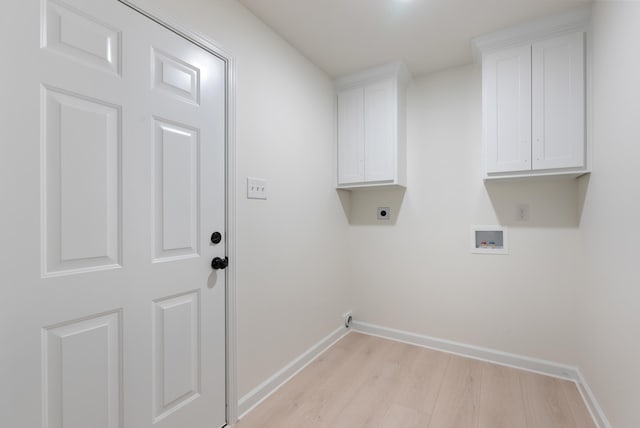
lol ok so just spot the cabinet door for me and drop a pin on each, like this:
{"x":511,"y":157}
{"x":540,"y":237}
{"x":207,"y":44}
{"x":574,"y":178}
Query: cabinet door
{"x":380,"y":131}
{"x":507,"y":109}
{"x":558,"y":119}
{"x":351,"y":136}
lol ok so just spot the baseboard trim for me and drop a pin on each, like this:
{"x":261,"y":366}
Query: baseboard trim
{"x":545,"y":367}
{"x":269,"y":386}
{"x":536,"y":365}
{"x":592,"y":404}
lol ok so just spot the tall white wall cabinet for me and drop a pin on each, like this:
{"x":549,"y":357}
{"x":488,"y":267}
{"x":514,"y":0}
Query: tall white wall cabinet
{"x":534,"y":98}
{"x":371,"y":127}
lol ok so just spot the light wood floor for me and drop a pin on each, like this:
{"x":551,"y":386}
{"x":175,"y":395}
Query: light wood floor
{"x":365,"y":381}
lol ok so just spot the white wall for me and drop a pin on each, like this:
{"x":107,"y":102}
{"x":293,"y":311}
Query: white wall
{"x":609,"y":352}
{"x":300,"y":265}
{"x":292,"y":270}
{"x":416,"y":273}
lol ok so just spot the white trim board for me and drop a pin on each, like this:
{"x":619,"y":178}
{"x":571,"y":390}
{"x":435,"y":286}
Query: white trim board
{"x":592,"y":404}
{"x":261,"y":392}
{"x":470,"y":351}
{"x":572,"y":20}
{"x":548,"y":368}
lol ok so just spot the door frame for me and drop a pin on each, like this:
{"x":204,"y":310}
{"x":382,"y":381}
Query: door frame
{"x":209,"y":45}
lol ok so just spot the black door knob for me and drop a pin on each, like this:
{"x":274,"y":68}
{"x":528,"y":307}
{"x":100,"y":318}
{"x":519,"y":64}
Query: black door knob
{"x":218,"y":263}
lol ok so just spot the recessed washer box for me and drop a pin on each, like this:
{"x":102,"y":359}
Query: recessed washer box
{"x":489,"y":240}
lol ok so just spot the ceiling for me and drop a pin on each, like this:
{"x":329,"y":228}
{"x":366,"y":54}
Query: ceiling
{"x":343,"y":36}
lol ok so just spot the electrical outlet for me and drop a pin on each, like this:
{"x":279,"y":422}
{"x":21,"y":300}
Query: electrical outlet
{"x":522,"y":212}
{"x":256,"y":188}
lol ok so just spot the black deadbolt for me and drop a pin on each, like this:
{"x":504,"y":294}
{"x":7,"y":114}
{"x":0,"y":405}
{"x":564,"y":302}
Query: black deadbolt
{"x":216,"y":237}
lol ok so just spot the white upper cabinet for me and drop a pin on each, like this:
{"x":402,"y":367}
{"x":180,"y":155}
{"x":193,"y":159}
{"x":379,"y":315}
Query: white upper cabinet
{"x":371,"y":128}
{"x":534,"y":102}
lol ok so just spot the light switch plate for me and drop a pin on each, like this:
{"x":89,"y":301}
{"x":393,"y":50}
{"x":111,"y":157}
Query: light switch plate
{"x":256,"y":188}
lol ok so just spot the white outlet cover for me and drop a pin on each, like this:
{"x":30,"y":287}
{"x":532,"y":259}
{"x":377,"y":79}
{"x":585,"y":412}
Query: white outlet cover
{"x":256,"y":188}
{"x":522,"y":212}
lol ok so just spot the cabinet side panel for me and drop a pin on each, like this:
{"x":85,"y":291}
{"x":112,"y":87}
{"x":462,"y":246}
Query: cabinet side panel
{"x":401,"y":134}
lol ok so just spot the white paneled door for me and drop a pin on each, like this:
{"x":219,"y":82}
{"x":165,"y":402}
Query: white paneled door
{"x":113,"y":181}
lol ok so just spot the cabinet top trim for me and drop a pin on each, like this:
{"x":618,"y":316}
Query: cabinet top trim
{"x":575,"y":19}
{"x":396,"y":69}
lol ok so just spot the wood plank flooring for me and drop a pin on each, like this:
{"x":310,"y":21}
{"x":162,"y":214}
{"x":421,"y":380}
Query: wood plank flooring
{"x":366,"y":381}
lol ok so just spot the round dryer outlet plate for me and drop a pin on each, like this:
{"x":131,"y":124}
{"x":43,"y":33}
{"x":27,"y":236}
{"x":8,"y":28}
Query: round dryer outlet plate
{"x":384,"y":213}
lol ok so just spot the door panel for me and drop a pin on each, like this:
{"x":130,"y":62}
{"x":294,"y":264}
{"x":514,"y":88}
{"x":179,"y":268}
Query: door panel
{"x":82,"y":37}
{"x":116,"y":163}
{"x":380,"y":129}
{"x":351,"y":136}
{"x":558,"y":102}
{"x":81,"y":183}
{"x":176,"y":185}
{"x":507,"y":109}
{"x":176,"y":352}
{"x":176,"y":77}
{"x":82,"y":370}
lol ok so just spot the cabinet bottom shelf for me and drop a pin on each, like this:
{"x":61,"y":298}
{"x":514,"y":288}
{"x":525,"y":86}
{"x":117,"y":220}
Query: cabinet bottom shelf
{"x":532,"y":175}
{"x":376,"y":185}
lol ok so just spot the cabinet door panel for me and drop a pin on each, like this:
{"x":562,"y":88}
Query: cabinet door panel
{"x":380,"y":131}
{"x":558,"y":102}
{"x":507,"y":110}
{"x":351,"y":136}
